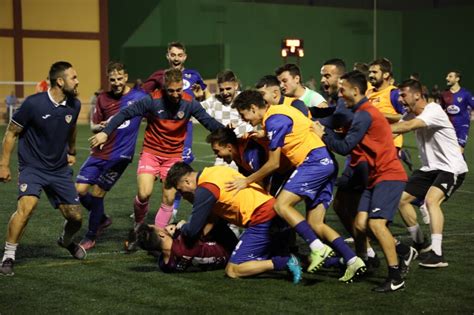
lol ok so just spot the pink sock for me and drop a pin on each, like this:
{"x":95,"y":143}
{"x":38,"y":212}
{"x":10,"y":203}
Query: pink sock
{"x":163,"y":216}
{"x":140,"y":209}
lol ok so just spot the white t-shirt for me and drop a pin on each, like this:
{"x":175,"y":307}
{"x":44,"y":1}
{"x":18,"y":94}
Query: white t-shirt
{"x":225,"y":114}
{"x":437,"y":143}
{"x":311,"y":98}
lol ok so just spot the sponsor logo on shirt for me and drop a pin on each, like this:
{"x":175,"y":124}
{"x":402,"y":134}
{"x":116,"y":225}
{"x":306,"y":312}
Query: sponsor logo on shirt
{"x":180,"y":114}
{"x":68,"y":118}
{"x":270,"y":135}
{"x":124,"y":125}
{"x":45,"y":116}
{"x":453,"y":109}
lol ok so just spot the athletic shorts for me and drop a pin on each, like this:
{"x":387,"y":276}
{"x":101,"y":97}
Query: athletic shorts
{"x":156,"y":165}
{"x":314,"y":179}
{"x":462,"y":133}
{"x":382,"y":200}
{"x":58,"y":185}
{"x":420,"y":182}
{"x":254,"y":244}
{"x":188,"y":156}
{"x":104,"y":173}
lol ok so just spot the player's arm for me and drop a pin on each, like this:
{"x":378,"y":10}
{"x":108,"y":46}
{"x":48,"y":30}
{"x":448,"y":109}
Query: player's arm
{"x":98,"y":123}
{"x":198,"y":112}
{"x":299,"y":105}
{"x":205,"y":198}
{"x":277,"y":127}
{"x":139,"y":108}
{"x":318,"y":101}
{"x":406,"y":126}
{"x":8,"y":145}
{"x":71,"y":146}
{"x":360,"y":125}
{"x":153,"y":82}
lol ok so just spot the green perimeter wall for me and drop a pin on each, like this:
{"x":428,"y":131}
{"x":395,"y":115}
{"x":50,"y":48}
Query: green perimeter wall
{"x":246,"y":37}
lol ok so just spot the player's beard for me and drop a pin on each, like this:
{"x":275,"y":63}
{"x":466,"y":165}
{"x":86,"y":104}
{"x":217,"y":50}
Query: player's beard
{"x":70,"y":91}
{"x":375,"y":83}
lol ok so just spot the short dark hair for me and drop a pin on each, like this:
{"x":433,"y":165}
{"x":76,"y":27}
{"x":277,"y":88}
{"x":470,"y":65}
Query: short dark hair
{"x":176,"y":172}
{"x":177,"y":45}
{"x":247,"y":98}
{"x":267,"y":80}
{"x":226,"y":76}
{"x":414,"y":85}
{"x":147,"y":238}
{"x":384,"y":64}
{"x":293,"y":69}
{"x":457,"y":73}
{"x":57,"y":71}
{"x":357,"y":79}
{"x":338,"y":63}
{"x":172,"y":75}
{"x":222,"y":136}
{"x":115,"y":66}
{"x":362,"y":67}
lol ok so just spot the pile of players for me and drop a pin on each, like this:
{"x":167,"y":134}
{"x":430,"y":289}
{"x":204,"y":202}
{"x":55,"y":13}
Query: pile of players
{"x":274,"y":146}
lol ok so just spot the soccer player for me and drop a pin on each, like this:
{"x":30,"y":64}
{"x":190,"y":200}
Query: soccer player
{"x":458,"y":102}
{"x":288,"y":131}
{"x":193,"y":84}
{"x":442,"y":172}
{"x":104,"y":167}
{"x":250,"y":208}
{"x":168,"y":113}
{"x":291,"y":84}
{"x":269,"y":86}
{"x":46,"y":127}
{"x":219,"y":106}
{"x":384,"y":96}
{"x":210,"y":251}
{"x":369,"y":139}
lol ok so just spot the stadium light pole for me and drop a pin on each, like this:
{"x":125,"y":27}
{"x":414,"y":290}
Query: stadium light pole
{"x":375,"y":31}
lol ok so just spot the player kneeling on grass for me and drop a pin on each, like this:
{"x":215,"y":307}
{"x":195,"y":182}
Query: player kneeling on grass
{"x":177,"y":253}
{"x":250,"y":208}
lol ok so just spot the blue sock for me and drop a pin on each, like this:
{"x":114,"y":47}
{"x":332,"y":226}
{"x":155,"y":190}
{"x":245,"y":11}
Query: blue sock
{"x":279,"y":262}
{"x":332,"y":262}
{"x":343,"y":249}
{"x":86,"y":201}
{"x":306,"y":232}
{"x":95,"y":217}
{"x":177,"y":200}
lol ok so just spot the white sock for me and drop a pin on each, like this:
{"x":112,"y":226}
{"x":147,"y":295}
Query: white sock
{"x":351,"y":261}
{"x":416,"y":234}
{"x":316,"y":245}
{"x":436,"y":240}
{"x":175,"y":213}
{"x":10,"y":250}
{"x":370,"y":252}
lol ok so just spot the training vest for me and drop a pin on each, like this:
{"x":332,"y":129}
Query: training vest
{"x":301,"y":140}
{"x":381,"y":100}
{"x":236,"y":209}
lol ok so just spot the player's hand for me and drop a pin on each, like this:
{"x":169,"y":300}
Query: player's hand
{"x":197,"y":91}
{"x":180,"y":224}
{"x":5,"y":175}
{"x":71,"y":160}
{"x":237,"y":184}
{"x":98,"y":139}
{"x":318,"y":129}
{"x":258,"y":134}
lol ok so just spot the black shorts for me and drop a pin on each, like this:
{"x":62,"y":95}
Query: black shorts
{"x":420,"y":182}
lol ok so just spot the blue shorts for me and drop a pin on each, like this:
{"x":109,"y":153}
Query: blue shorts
{"x":381,"y":201}
{"x":462,"y":134}
{"x":314,"y":179}
{"x":57,"y":185}
{"x":104,"y":173}
{"x":254,"y":244}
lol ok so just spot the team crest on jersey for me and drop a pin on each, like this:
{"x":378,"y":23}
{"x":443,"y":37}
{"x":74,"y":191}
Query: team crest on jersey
{"x":180,"y":114}
{"x":188,"y":75}
{"x":186,"y":84}
{"x":23,"y":187}
{"x":68,"y":118}
{"x":129,"y":103}
{"x":459,"y":99}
